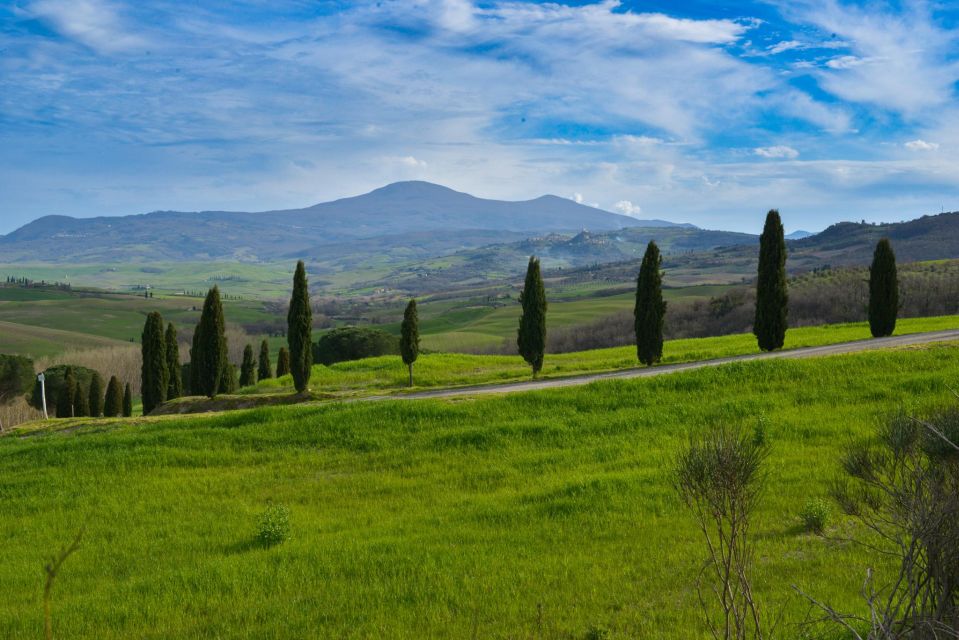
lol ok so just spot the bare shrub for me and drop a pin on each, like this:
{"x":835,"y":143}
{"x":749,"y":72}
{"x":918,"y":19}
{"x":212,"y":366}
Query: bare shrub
{"x":17,"y":412}
{"x":903,"y":487}
{"x":719,"y":477}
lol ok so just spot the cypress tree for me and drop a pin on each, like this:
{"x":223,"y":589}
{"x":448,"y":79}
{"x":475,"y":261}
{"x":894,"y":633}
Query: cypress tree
{"x":82,"y":407}
{"x":113,"y":405}
{"x":194,"y":379}
{"x":283,"y":363}
{"x":96,"y":395}
{"x":265,"y":370}
{"x":650,"y":309}
{"x":299,"y":330}
{"x":248,"y":368}
{"x":772,"y":299}
{"x":228,"y":381}
{"x":210,"y":357}
{"x":67,"y":398}
{"x":410,"y":337}
{"x":127,"y":402}
{"x":531,"y":337}
{"x":883,"y":290}
{"x":154,"y":373}
{"x":174,"y":374}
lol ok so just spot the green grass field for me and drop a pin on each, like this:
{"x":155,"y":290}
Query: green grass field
{"x":537,"y":515}
{"x":50,"y":321}
{"x":388,"y":374}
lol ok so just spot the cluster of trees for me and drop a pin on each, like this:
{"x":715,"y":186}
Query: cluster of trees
{"x":78,"y":392}
{"x":27,"y":283}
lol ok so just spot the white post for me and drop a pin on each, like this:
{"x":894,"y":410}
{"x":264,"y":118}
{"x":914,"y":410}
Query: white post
{"x":43,"y":394}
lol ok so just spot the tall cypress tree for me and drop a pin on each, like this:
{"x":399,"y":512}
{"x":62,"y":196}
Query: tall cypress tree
{"x":174,"y":374}
{"x":299,"y":330}
{"x":113,"y":405}
{"x":210,"y":357}
{"x":410,"y":337}
{"x":248,"y":368}
{"x":194,"y":379}
{"x":650,"y":310}
{"x":265,"y":369}
{"x":282,"y":363}
{"x":772,"y":300}
{"x":96,"y":395}
{"x":531,"y":337}
{"x":883,"y":290}
{"x":81,"y":408}
{"x":154,"y":374}
{"x":127,"y":402}
{"x":67,"y":397}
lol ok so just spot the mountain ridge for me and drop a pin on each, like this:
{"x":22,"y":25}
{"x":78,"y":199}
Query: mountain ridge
{"x":411,"y":207}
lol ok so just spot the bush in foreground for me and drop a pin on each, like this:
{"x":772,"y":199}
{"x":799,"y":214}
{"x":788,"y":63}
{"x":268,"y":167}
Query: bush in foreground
{"x":273,"y":526}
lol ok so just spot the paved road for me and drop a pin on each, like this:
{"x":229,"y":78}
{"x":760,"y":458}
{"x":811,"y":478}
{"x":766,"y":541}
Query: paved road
{"x":626,"y":374}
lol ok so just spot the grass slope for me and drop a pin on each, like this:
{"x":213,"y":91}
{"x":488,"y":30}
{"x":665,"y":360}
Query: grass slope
{"x":38,"y":342}
{"x":388,"y":373}
{"x":535,"y":515}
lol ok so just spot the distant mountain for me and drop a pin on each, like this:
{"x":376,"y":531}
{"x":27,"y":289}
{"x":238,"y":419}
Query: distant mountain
{"x":440,"y":219}
{"x":798,"y":235}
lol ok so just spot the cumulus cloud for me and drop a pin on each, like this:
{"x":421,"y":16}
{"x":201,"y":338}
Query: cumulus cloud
{"x":779,"y":151}
{"x":921,"y":145}
{"x":785,"y":45}
{"x":627,"y":208}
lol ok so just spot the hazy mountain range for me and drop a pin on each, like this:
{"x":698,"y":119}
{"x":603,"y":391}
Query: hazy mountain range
{"x":416,"y":219}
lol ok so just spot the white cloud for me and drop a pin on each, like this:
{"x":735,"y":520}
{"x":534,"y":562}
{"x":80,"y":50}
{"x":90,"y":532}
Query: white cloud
{"x":921,"y":145}
{"x":779,"y":151}
{"x":627,"y":208}
{"x":785,"y":45}
{"x":900,"y":58}
{"x":94,"y":23}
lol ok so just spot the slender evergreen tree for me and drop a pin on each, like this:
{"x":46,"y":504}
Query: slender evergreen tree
{"x":265,"y":369}
{"x":67,"y":397}
{"x":194,"y":379}
{"x":174,"y":373}
{"x":772,"y":300}
{"x":82,"y":407}
{"x":282,"y":363}
{"x":127,"y":402}
{"x":299,"y":330}
{"x":410,"y":337}
{"x":228,"y":381}
{"x":650,"y":310}
{"x":154,"y":374}
{"x":211,"y":356}
{"x":113,"y":405}
{"x":883,"y":290}
{"x":531,"y":337}
{"x":248,"y":368}
{"x":96,"y":395}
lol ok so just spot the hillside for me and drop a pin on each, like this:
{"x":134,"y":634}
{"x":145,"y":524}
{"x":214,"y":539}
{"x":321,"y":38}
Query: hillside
{"x":445,"y":220}
{"x":546,"y":514}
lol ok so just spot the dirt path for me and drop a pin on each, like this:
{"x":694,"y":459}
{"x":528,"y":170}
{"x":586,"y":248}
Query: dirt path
{"x":625,"y":374}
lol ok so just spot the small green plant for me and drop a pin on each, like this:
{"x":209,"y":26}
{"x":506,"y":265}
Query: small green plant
{"x":597,"y":633}
{"x":815,"y":515}
{"x":274,"y":525}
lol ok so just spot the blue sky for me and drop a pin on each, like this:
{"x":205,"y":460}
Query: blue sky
{"x":690,"y":111}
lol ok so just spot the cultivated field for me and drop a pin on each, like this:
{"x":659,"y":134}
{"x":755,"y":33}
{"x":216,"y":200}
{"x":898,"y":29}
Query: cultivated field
{"x":547,"y":514}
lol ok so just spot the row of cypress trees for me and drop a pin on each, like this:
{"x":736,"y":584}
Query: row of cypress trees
{"x":772,"y":299}
{"x":76,"y":402}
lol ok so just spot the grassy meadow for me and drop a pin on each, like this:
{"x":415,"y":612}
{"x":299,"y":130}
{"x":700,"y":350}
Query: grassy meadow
{"x":375,"y":376}
{"x":536,"y":515}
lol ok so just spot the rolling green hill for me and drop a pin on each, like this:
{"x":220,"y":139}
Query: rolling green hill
{"x":536,"y":515}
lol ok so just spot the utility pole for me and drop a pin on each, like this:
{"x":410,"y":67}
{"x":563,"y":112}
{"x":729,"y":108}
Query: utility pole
{"x":43,"y":394}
